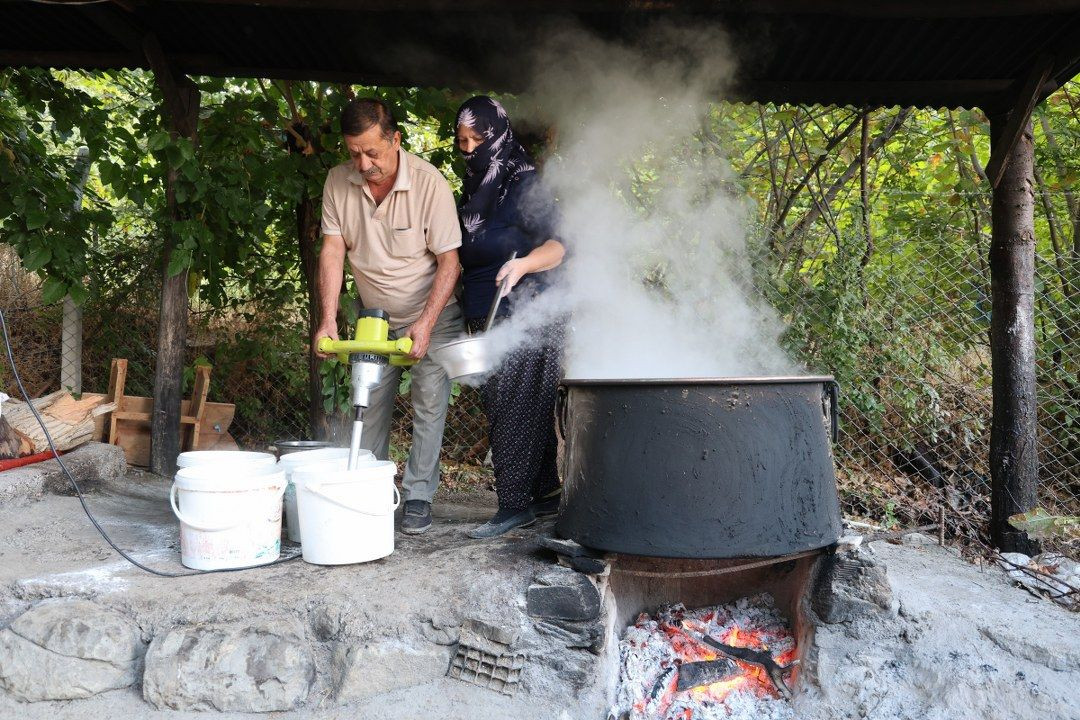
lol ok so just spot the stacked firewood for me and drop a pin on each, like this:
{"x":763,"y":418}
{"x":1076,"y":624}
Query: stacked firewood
{"x":70,"y":422}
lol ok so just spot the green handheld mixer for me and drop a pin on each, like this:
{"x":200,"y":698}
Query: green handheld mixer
{"x":368,"y":354}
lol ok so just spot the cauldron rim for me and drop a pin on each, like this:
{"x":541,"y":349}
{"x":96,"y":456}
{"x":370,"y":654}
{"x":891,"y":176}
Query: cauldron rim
{"x":749,"y":380}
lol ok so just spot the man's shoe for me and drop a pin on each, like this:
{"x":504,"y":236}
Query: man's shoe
{"x":504,"y":521}
{"x":548,"y":505}
{"x":417,"y":517}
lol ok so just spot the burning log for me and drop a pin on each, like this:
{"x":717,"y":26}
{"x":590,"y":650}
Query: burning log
{"x":667,"y":673}
{"x":705,"y":672}
{"x":761,"y":658}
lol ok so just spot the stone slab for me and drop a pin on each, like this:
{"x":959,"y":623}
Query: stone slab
{"x":94,"y":465}
{"x":69,"y":649}
{"x":263,"y":665}
{"x":365,"y":671}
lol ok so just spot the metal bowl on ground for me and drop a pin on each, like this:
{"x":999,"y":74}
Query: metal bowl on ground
{"x":465,"y":360}
{"x":284,"y":447}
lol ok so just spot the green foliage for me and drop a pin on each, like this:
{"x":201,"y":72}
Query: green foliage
{"x":899,"y":315}
{"x":337,"y":395}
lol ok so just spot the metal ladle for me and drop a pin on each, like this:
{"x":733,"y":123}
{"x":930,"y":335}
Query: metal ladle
{"x":498,"y":297}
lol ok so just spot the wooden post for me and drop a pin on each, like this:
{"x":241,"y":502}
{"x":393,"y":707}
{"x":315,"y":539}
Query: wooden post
{"x":71,"y":329}
{"x":1014,"y":467}
{"x":301,"y":141}
{"x":181,"y":113}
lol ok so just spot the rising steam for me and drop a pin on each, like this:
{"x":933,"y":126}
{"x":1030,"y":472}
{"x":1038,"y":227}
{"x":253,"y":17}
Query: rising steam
{"x":655,"y":280}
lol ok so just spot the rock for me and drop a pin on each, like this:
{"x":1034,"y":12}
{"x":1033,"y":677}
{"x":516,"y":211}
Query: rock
{"x":439,"y":635}
{"x":363,"y":671}
{"x":574,"y":635}
{"x":474,"y":631}
{"x":588,"y":565}
{"x":918,"y":540}
{"x":67,"y":649}
{"x":1047,"y":573}
{"x":574,"y":598}
{"x":94,"y":465}
{"x":1012,"y":559}
{"x":1062,"y":654}
{"x":442,"y":626}
{"x":569,"y":548}
{"x":849,"y":585}
{"x":255,"y":666}
{"x":555,"y":575}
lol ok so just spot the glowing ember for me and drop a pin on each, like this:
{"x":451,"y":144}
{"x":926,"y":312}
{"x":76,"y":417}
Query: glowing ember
{"x":663,"y":652}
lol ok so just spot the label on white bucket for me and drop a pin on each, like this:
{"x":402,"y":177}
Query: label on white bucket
{"x":230,"y":516}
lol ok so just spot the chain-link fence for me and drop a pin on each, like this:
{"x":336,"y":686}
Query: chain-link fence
{"x":906,"y":332}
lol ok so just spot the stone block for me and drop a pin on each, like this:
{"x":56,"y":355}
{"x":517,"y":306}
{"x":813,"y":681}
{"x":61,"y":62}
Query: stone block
{"x":850,"y":584}
{"x":93,"y":464}
{"x":261,"y":666}
{"x":574,"y":598}
{"x":569,"y":548}
{"x":588,"y":565}
{"x":69,"y":649}
{"x":574,"y":635}
{"x":363,"y":671}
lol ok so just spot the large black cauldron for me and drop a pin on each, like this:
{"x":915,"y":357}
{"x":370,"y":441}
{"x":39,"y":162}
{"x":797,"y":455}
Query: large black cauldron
{"x":699,"y":468}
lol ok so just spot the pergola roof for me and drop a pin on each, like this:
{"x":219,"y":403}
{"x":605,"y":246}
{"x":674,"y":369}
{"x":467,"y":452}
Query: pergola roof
{"x":856,"y":52}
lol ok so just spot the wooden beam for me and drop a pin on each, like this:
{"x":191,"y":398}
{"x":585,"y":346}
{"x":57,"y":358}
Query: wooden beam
{"x":104,"y":60}
{"x":1019,"y":118}
{"x":841,"y":8}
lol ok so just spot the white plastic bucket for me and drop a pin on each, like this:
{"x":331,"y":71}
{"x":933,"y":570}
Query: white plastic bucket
{"x":291,"y":461}
{"x":230,"y":515}
{"x":347,"y":516}
{"x":199,"y":458}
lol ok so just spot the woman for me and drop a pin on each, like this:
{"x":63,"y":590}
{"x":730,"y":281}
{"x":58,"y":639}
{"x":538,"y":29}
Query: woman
{"x":503,"y":210}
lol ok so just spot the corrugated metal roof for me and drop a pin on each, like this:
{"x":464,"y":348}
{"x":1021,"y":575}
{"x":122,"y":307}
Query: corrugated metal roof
{"x":959,"y":53}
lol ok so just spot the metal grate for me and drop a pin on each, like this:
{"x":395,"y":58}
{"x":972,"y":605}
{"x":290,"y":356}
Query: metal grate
{"x":500,"y":673}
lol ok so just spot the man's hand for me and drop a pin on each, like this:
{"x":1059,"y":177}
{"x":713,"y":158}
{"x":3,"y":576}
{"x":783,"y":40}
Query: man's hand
{"x":514,"y":270}
{"x":420,"y":332}
{"x":327,"y":329}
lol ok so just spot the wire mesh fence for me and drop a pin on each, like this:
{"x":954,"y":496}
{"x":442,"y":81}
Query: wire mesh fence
{"x":906,"y":334}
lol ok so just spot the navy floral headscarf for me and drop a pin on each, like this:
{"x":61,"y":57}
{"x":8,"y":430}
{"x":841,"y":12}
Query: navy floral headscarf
{"x":491,"y":167}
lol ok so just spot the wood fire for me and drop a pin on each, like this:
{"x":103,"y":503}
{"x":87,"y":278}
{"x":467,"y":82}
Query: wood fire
{"x":733,"y":660}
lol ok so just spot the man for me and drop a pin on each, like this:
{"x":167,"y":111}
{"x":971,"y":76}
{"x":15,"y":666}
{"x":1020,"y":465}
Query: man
{"x":393,"y":216}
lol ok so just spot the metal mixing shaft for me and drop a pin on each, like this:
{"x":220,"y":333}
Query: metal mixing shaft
{"x":366,"y":372}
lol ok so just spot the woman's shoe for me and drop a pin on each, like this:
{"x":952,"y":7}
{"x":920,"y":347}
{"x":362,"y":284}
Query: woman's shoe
{"x":548,"y":505}
{"x":504,"y":521}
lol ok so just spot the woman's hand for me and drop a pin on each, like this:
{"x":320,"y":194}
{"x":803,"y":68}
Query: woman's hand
{"x":512,"y":271}
{"x":545,"y":257}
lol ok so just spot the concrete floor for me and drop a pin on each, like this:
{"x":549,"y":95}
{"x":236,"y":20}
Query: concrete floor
{"x":438,"y":579}
{"x":958,"y":642}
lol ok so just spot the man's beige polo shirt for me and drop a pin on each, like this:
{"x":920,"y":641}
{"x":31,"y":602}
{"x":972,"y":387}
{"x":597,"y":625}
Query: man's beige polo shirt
{"x":392,"y":246}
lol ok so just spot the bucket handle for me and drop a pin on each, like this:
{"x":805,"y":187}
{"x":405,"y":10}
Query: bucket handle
{"x":195,"y":526}
{"x":314,"y":489}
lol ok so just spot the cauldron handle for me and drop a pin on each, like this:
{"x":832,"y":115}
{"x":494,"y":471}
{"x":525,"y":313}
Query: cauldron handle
{"x":560,"y":410}
{"x":833,"y":388}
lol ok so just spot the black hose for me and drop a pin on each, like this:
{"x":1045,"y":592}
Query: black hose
{"x":78,"y":490}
